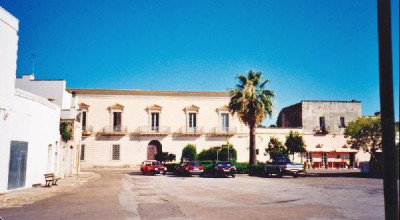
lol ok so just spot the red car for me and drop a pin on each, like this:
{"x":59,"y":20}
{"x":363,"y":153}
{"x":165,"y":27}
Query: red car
{"x":189,"y":168}
{"x":152,"y":167}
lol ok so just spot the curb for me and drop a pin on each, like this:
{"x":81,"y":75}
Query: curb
{"x":28,"y":195}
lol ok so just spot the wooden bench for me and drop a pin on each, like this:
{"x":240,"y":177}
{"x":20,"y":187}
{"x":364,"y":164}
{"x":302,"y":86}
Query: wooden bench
{"x":50,"y":179}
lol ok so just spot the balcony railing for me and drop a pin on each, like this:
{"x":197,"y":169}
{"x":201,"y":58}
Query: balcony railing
{"x":224,"y":131}
{"x":322,"y":130}
{"x":87,"y":130}
{"x":153,"y":130}
{"x":191,"y":131}
{"x":114,"y":130}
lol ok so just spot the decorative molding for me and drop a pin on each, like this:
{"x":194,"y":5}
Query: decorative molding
{"x":154,"y":108}
{"x":83,"y":106}
{"x":116,"y":106}
{"x":224,"y":108}
{"x":192,"y":108}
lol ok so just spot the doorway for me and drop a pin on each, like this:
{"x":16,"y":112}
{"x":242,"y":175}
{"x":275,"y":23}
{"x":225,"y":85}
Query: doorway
{"x":17,"y":165}
{"x":153,"y":147}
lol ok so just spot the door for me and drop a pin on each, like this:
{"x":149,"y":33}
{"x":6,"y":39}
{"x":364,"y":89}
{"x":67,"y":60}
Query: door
{"x":117,"y":121}
{"x":17,"y":165}
{"x":155,"y":122}
{"x":324,"y":160}
{"x":192,"y":122}
{"x":351,"y":160}
{"x":225,"y":122}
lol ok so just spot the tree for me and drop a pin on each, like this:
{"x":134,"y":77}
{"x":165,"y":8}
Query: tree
{"x":189,"y":153}
{"x":275,"y":148}
{"x":365,"y":133}
{"x":295,"y":143}
{"x":252,"y":103}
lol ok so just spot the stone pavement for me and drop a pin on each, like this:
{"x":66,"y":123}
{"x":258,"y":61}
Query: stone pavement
{"x":20,"y":197}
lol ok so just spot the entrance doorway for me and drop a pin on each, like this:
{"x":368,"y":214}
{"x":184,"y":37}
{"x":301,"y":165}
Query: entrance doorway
{"x":17,"y":165}
{"x":351,"y":158}
{"x":324,"y":160}
{"x":153,"y":147}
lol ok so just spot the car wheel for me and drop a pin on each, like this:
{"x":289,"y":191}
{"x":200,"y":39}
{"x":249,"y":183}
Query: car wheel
{"x":233,"y":175}
{"x":280,"y":174}
{"x":295,"y":175}
{"x":153,"y":173}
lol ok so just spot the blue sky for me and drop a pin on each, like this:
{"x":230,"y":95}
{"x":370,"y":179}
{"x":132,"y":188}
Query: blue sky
{"x":324,"y":50}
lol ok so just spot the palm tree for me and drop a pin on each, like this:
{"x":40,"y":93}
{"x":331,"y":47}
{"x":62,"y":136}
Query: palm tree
{"x":252,"y":103}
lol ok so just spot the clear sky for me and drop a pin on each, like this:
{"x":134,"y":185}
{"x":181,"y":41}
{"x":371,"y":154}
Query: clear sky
{"x":323,"y":50}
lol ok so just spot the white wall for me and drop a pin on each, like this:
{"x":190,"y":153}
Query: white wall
{"x":49,"y":89}
{"x":8,"y":58}
{"x":36,"y":121}
{"x":23,"y":116}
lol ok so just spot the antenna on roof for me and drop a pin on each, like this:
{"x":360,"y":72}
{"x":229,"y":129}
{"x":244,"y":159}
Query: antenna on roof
{"x":33,"y":63}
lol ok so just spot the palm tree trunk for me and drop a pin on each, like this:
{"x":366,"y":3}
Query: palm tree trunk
{"x":253,"y":155}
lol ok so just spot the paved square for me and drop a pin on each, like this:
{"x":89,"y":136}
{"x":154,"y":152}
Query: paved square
{"x":125,"y":195}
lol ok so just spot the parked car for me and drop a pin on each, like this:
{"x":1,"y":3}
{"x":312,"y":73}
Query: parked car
{"x":223,"y":168}
{"x":282,"y":166}
{"x":189,"y":168}
{"x":152,"y":167}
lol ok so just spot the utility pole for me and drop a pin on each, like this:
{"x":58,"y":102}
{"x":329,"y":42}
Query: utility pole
{"x":390,"y":154}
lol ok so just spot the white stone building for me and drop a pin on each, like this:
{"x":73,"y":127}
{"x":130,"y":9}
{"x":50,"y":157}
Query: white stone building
{"x":55,"y":91}
{"x":118,"y":125}
{"x":29,"y":124}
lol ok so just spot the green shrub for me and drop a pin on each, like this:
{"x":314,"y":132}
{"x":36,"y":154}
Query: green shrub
{"x":164,"y":157}
{"x":189,"y":153}
{"x":242,"y":168}
{"x":223,"y":153}
{"x":171,"y":167}
{"x":66,"y":133}
{"x":211,"y":154}
{"x":255,"y":170}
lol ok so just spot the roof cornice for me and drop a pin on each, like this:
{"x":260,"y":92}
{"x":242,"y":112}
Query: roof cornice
{"x":148,"y":92}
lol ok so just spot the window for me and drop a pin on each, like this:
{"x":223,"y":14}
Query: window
{"x":192,"y":121}
{"x":116,"y":151}
{"x":342,"y":122}
{"x":82,"y":156}
{"x":155,"y":121}
{"x":322,"y":123}
{"x":225,"y":121}
{"x":257,"y":151}
{"x":84,"y":121}
{"x":309,"y":158}
{"x":116,"y":121}
{"x":338,"y":156}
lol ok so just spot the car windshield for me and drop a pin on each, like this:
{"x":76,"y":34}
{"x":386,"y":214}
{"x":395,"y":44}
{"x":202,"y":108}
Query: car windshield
{"x":156,"y":163}
{"x":224,"y":164}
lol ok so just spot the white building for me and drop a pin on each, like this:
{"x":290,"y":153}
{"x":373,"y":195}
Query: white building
{"x":29,"y":124}
{"x":55,"y":91}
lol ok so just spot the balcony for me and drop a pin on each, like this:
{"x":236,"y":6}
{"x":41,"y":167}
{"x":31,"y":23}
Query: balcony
{"x":224,"y":131}
{"x":114,"y":131}
{"x":153,"y":131}
{"x":193,"y":131}
{"x":87,"y":130}
{"x":322,"y":130}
